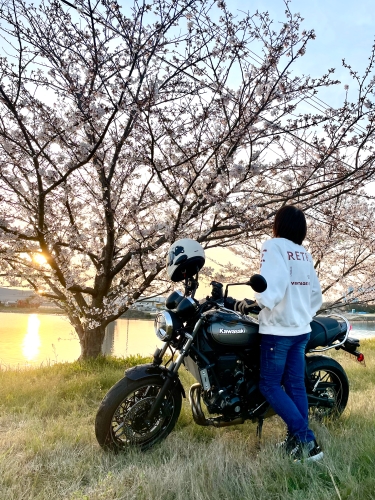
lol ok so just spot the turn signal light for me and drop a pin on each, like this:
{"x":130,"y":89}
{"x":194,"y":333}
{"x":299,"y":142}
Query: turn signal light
{"x":360,"y":357}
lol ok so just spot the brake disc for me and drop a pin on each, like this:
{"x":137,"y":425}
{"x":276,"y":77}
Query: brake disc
{"x":136,"y":427}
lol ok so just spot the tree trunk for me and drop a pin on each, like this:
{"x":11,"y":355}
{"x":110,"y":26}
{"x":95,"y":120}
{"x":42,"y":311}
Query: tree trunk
{"x":91,"y":342}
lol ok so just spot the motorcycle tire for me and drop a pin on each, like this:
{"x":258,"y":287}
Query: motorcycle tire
{"x":121,"y":419}
{"x":327,"y":379}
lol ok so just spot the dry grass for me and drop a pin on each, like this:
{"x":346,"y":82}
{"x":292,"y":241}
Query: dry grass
{"x":48,"y":448}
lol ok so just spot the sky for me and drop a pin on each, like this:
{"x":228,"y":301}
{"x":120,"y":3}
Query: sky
{"x":344,"y":29}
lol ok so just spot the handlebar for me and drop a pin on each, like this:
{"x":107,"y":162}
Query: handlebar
{"x":211,"y":303}
{"x":255,"y":309}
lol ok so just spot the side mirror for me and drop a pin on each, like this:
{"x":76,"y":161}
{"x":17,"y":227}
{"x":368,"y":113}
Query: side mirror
{"x":257,"y":283}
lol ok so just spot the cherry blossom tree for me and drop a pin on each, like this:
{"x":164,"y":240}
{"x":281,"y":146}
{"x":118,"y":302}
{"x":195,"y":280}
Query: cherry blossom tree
{"x":125,"y":129}
{"x":342,"y":241}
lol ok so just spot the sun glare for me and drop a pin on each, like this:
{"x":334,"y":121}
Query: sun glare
{"x":39,"y":258}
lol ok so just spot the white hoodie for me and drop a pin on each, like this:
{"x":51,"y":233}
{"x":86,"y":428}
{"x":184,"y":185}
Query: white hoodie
{"x":293,"y":293}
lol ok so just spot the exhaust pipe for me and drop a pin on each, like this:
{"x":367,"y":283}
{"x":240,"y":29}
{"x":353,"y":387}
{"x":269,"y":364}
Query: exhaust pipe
{"x":198,"y":415}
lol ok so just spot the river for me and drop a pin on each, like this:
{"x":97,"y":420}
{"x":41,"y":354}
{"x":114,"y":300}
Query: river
{"x":43,"y":339}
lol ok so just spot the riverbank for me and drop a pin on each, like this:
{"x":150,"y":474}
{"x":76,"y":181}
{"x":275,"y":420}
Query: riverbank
{"x":360,"y":317}
{"x":31,"y":310}
{"x":49,"y":450}
{"x":131,"y":313}
{"x":136,"y":314}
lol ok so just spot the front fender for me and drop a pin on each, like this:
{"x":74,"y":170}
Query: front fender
{"x":150,"y":370}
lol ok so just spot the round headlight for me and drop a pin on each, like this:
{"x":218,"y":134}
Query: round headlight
{"x":186,"y":308}
{"x":166,"y":325}
{"x":163,"y":326}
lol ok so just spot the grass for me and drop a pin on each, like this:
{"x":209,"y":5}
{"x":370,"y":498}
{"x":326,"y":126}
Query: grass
{"x":48,"y":448}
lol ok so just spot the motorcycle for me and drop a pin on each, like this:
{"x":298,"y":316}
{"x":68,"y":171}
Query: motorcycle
{"x":221,"y":349}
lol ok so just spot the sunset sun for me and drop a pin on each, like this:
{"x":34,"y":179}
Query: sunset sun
{"x":39,"y":258}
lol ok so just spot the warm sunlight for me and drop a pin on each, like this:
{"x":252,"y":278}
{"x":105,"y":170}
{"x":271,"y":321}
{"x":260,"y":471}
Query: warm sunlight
{"x":39,"y":258}
{"x":31,"y":341}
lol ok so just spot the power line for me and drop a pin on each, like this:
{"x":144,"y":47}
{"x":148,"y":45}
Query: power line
{"x":214,"y":90}
{"x":324,"y":105}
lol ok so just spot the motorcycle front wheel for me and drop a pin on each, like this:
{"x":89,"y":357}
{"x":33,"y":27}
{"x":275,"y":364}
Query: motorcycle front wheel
{"x":121,"y":419}
{"x":327,"y":380}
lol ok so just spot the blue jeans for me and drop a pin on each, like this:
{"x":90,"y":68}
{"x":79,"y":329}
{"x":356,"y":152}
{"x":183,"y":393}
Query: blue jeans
{"x":282,"y":363}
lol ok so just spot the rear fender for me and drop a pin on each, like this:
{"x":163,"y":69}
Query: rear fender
{"x":150,"y":370}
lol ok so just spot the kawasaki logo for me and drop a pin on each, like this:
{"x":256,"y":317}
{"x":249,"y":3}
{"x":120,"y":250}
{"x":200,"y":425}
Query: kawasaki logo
{"x":229,"y":332}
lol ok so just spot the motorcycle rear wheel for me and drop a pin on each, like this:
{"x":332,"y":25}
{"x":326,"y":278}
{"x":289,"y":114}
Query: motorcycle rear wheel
{"x":121,"y":419}
{"x":327,"y":379}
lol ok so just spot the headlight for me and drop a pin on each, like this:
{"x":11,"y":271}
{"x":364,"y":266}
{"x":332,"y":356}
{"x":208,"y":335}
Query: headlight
{"x":166,"y":324}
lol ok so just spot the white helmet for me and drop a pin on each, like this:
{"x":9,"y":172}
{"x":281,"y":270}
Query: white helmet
{"x":185,"y":258}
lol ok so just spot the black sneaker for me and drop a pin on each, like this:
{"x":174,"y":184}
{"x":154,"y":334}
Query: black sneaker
{"x":310,"y":451}
{"x":288,"y":444}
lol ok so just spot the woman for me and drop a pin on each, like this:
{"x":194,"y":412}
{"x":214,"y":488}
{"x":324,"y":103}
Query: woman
{"x":292,"y":298}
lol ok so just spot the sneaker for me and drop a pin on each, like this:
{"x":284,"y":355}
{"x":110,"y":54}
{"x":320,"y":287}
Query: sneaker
{"x":288,"y":444}
{"x":282,"y":444}
{"x":310,"y":451}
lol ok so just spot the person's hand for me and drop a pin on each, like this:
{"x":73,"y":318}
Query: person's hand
{"x":244,"y":306}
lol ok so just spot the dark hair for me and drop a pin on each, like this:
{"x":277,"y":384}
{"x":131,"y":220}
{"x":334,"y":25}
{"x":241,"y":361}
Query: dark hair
{"x":290,"y":223}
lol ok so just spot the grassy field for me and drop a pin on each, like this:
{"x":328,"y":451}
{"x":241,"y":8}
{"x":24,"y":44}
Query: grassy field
{"x":48,"y":448}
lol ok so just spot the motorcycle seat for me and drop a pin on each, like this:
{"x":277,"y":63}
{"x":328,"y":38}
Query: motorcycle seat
{"x":323,"y":332}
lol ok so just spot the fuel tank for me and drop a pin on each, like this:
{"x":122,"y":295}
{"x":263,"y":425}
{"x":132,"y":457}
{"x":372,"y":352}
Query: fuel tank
{"x":228,"y":329}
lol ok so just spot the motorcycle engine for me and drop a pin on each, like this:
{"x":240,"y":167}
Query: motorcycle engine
{"x":227,"y":399}
{"x":238,"y":392}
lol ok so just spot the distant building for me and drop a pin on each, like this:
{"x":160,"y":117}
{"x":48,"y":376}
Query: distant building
{"x":10,"y":296}
{"x":34,"y":302}
{"x":13,"y":297}
{"x":151,"y":304}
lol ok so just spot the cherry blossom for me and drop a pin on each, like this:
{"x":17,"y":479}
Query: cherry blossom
{"x":123,"y":129}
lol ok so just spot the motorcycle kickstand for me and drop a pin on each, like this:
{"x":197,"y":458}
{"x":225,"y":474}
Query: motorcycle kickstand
{"x":259,"y":430}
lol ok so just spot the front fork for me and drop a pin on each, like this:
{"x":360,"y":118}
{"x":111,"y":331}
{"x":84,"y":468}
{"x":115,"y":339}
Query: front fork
{"x":172,"y":370}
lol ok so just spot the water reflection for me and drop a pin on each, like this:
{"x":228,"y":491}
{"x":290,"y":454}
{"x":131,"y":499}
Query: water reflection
{"x":31,"y":342}
{"x":125,"y":337}
{"x":109,"y":338}
{"x":38,"y":339}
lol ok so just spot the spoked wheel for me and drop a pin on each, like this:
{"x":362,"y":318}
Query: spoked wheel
{"x":327,"y":380}
{"x":122,"y":421}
